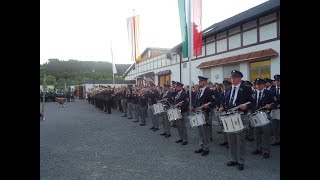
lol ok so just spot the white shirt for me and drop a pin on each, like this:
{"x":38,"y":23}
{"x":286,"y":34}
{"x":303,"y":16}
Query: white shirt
{"x":268,"y":88}
{"x":178,"y":94}
{"x":236,"y":92}
{"x":202,"y":90}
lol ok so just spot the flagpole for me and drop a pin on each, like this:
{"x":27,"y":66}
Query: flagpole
{"x":134,"y":41}
{"x":190,"y":35}
{"x":112,"y":67}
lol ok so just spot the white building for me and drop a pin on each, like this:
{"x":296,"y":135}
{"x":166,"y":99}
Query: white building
{"x":248,"y":42}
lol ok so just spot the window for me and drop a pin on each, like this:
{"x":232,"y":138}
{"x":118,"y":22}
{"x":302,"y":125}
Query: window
{"x":140,"y":82}
{"x":164,"y":79}
{"x":268,"y":31}
{"x":211,"y":48}
{"x":260,"y":69}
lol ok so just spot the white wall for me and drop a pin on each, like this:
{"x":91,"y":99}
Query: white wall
{"x":244,"y":68}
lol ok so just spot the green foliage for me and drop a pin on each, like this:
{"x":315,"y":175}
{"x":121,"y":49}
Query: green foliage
{"x":75,"y":72}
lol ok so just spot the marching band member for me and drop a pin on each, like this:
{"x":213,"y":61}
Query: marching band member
{"x":174,"y":93}
{"x":269,"y":84}
{"x":143,"y":102}
{"x":135,"y":104}
{"x":152,"y":96}
{"x":250,"y":131}
{"x":226,"y":84}
{"x":204,"y":96}
{"x":124,"y":102}
{"x":129,"y":102}
{"x":276,"y":105}
{"x":237,"y":95}
{"x":263,"y":98}
{"x":169,"y":96}
{"x":108,"y":97}
{"x":182,"y":100}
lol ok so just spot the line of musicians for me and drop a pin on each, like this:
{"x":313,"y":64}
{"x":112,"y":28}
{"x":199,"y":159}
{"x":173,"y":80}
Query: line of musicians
{"x":137,"y":103}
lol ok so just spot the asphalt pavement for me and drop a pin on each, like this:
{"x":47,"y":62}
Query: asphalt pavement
{"x":79,"y":141}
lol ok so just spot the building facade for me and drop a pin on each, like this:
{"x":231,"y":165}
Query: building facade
{"x":248,"y":42}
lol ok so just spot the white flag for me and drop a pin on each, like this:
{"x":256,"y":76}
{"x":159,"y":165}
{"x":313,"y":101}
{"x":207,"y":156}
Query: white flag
{"x":114,"y":69}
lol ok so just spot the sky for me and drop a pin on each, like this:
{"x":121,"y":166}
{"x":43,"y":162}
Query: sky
{"x":85,"y":29}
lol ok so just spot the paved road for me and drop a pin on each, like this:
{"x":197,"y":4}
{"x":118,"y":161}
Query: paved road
{"x":81,"y":142}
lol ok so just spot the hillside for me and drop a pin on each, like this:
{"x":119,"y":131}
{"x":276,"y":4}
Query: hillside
{"x":75,"y":72}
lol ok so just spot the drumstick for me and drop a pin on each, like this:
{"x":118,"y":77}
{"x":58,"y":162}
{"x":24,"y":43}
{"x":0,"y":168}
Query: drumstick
{"x":262,"y":107}
{"x":198,"y":108}
{"x":177,"y":104}
{"x":237,"y":107}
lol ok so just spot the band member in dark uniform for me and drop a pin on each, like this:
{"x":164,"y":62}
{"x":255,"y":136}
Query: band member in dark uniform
{"x":203,"y":97}
{"x":182,"y":99}
{"x":135,"y":104}
{"x":153,"y":95}
{"x":276,"y":105}
{"x":143,"y":103}
{"x":226,"y":84}
{"x":168,"y":95}
{"x":250,"y":131}
{"x":108,"y":97}
{"x":263,"y":98}
{"x":269,"y":84}
{"x":237,"y":95}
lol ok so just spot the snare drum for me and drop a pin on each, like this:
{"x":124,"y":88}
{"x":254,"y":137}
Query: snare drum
{"x":275,"y":114}
{"x":61,"y":100}
{"x":216,"y":121}
{"x":259,"y":119}
{"x":197,"y":119}
{"x":232,"y":123}
{"x":174,"y":114}
{"x":158,"y":108}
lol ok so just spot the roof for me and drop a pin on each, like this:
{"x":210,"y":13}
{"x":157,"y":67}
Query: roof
{"x":146,"y":74}
{"x":239,"y":58}
{"x":110,"y":82}
{"x":164,"y":72}
{"x":145,"y":51}
{"x":246,"y":16}
{"x":128,"y":70}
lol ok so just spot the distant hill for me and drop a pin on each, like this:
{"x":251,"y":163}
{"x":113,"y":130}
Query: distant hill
{"x":76,"y":72}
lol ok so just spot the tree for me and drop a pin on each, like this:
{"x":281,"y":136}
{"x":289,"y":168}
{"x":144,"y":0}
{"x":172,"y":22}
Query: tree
{"x":50,"y":80}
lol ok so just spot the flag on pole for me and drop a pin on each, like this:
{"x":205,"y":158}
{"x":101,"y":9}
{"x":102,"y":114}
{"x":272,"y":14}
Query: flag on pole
{"x":134,"y":37}
{"x":114,"y":69}
{"x":193,"y":32}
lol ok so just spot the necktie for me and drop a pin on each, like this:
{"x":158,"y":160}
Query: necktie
{"x":259,"y":98}
{"x":199,"y":93}
{"x":277,"y":92}
{"x":232,"y":95}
